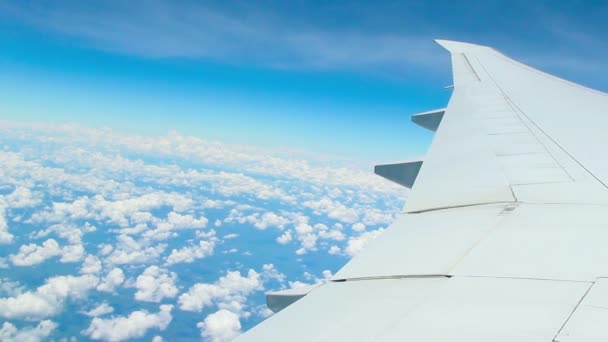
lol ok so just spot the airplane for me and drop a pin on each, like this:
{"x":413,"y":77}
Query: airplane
{"x":504,"y":235}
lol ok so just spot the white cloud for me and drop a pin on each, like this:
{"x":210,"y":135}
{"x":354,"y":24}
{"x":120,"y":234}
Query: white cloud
{"x":332,"y":234}
{"x":173,"y":222}
{"x":220,"y":326}
{"x":313,"y":280}
{"x":10,"y":333}
{"x":186,"y":221}
{"x":105,"y":249}
{"x":309,"y":241}
{"x":33,"y":254}
{"x":22,"y":197}
{"x":130,"y":251}
{"x":154,"y":284}
{"x":285,"y":238}
{"x":190,"y":253}
{"x":230,"y":291}
{"x":264,"y":221}
{"x":333,"y":209}
{"x":334,"y":250}
{"x":134,"y":202}
{"x":91,"y":265}
{"x":5,"y":236}
{"x":203,"y":31}
{"x":358,"y":243}
{"x":48,"y":299}
{"x":72,"y":253}
{"x":231,"y":287}
{"x":271,"y":219}
{"x":374,"y":216}
{"x":112,"y":280}
{"x":358,"y":227}
{"x":270,"y":272}
{"x":70,"y":232}
{"x":121,"y":212}
{"x":135,"y":325}
{"x":304,"y":228}
{"x":100,"y":310}
{"x":10,"y":288}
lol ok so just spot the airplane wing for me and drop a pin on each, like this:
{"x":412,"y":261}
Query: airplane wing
{"x":504,"y":236}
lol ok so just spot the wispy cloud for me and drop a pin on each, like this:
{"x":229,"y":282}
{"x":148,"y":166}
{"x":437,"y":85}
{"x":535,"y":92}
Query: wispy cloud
{"x":378,"y":39}
{"x":167,"y":29}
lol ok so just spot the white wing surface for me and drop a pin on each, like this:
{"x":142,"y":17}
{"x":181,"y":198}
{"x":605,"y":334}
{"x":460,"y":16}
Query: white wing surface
{"x":504,"y":236}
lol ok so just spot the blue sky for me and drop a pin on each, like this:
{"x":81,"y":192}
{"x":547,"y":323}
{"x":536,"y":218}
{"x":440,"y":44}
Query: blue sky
{"x":338,"y":78}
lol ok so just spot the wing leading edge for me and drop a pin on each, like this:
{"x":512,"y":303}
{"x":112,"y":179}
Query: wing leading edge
{"x":503,"y":234}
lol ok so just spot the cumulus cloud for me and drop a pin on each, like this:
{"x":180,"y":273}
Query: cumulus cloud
{"x":100,"y":310}
{"x":5,"y":236}
{"x":48,"y":299}
{"x":175,"y":221}
{"x":10,"y":288}
{"x":113,"y":279}
{"x":121,"y":212}
{"x":358,"y":227}
{"x":91,"y":265}
{"x":285,"y":238}
{"x":233,"y":287}
{"x":98,"y":178}
{"x":222,"y":325}
{"x":259,"y":221}
{"x":70,"y":232}
{"x":229,"y":292}
{"x":190,"y":253}
{"x":72,"y":253}
{"x":22,"y":197}
{"x":131,"y":251}
{"x":135,"y":325}
{"x":333,"y":209}
{"x":154,"y":284}
{"x":10,"y":333}
{"x":334,"y":250}
{"x":246,"y":158}
{"x":32,"y":254}
{"x":358,"y":243}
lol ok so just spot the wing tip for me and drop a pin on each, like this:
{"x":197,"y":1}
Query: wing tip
{"x":454,"y":46}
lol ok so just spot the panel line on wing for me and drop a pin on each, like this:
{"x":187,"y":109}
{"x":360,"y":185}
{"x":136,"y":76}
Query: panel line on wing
{"x":519,"y":111}
{"x":401,"y":276}
{"x":572,"y":313}
{"x":522,"y":169}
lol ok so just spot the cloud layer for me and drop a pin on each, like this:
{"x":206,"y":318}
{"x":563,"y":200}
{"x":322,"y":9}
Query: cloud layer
{"x":118,"y":225}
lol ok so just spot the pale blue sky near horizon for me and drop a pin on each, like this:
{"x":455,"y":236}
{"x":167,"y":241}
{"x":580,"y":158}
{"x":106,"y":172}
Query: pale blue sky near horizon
{"x":339,"y":78}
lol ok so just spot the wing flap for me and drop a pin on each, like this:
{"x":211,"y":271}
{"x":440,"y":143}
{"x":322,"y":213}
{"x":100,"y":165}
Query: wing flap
{"x":427,"y":309}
